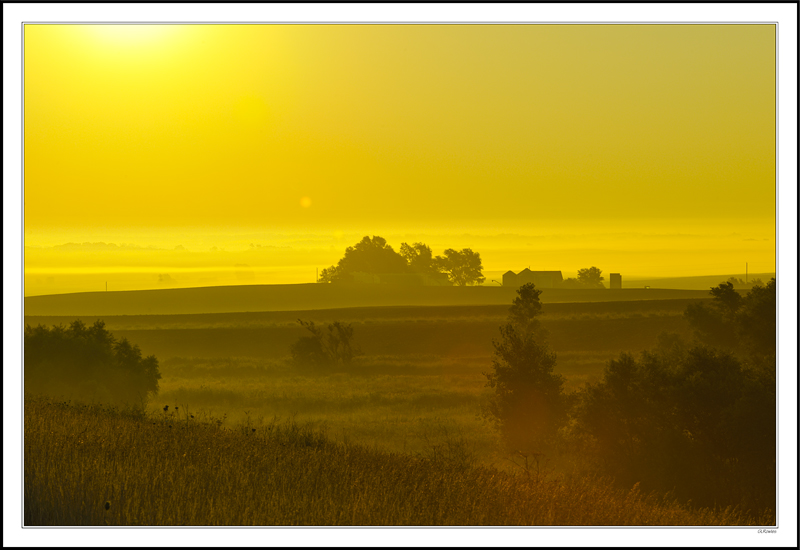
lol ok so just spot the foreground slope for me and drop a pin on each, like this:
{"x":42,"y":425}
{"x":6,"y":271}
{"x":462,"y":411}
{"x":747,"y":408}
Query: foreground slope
{"x":94,"y":466}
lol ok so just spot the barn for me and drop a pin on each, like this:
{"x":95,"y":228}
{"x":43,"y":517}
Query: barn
{"x":542,"y":279}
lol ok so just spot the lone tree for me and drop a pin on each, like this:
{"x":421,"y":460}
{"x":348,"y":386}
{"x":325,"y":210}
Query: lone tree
{"x":463,"y":267}
{"x":525,"y":309}
{"x":529,"y":404}
{"x":591,"y":277}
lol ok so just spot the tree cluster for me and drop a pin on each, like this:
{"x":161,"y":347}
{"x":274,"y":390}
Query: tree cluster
{"x":743,"y":324}
{"x":87,"y":363}
{"x":698,"y":419}
{"x":695,"y":420}
{"x":373,"y":255}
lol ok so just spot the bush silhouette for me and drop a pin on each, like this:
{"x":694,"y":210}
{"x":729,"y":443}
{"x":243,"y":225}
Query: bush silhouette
{"x":324,"y":349}
{"x":87,"y":363}
{"x":695,"y":420}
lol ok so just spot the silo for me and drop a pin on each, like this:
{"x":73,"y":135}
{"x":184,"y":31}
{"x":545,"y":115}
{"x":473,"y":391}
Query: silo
{"x":615,"y":280}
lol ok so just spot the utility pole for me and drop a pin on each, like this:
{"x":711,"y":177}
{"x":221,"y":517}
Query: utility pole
{"x":317,"y":279}
{"x":745,"y":272}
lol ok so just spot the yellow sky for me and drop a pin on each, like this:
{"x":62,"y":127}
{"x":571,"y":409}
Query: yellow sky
{"x":134,"y":130}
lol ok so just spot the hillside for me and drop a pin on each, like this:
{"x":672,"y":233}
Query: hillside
{"x":300,"y":297}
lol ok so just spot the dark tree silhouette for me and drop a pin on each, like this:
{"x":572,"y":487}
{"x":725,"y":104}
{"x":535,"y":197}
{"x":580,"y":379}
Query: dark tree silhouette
{"x":529,"y":404}
{"x":324,"y":349}
{"x":695,"y":420}
{"x":525,"y":309}
{"x":462,"y":267}
{"x":87,"y":363}
{"x":757,"y":321}
{"x":375,"y":256}
{"x":734,"y":322}
{"x":711,"y":326}
{"x":726,"y":299}
{"x":370,"y":255}
{"x":591,"y":277}
{"x":329,"y":275}
{"x":419,"y":257}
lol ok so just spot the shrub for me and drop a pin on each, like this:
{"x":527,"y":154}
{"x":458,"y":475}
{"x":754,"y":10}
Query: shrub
{"x":87,"y":363}
{"x":694,"y":420}
{"x":324,"y":349}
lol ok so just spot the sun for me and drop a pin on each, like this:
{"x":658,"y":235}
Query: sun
{"x":130,"y":35}
{"x":128,"y":43}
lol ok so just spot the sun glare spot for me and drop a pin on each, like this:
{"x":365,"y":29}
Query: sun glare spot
{"x":305,"y":202}
{"x":130,"y":34}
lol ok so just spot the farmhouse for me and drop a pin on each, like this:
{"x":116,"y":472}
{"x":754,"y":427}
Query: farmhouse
{"x":542,"y":279}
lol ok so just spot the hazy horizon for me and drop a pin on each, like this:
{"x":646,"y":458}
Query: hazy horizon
{"x":225,"y":154}
{"x":135,"y":260}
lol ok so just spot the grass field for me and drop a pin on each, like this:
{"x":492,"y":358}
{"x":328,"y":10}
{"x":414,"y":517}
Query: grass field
{"x":94,"y":466}
{"x":416,"y":395}
{"x":418,"y":383}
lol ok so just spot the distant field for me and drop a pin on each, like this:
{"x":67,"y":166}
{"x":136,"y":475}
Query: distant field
{"x":703,"y":282}
{"x":377,"y":314}
{"x":313,"y":297}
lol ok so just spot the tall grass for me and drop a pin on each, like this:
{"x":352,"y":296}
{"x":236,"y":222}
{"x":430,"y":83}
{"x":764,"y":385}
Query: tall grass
{"x":92,"y":465}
